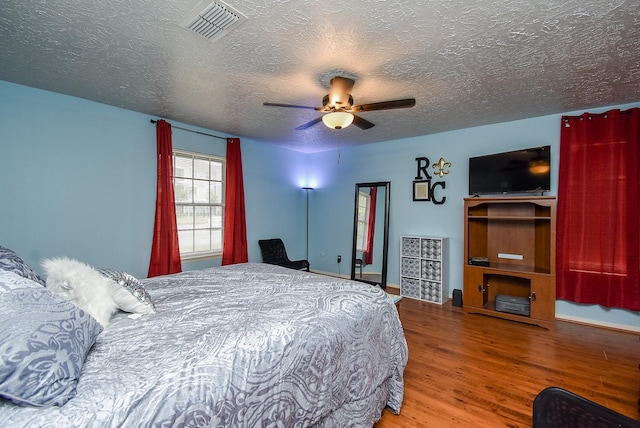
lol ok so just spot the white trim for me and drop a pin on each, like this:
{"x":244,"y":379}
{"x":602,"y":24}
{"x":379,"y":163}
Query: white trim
{"x":202,"y":156}
{"x":336,"y":275}
{"x":197,"y":257}
{"x":587,"y":321}
{"x":559,"y":317}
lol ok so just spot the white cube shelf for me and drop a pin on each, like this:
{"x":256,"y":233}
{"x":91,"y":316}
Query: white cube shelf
{"x":423,"y":268}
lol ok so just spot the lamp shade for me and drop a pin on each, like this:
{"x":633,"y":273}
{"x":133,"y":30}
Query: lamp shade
{"x":337,"y":119}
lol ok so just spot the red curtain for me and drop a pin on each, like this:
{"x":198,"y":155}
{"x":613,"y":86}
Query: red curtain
{"x":371,"y":226}
{"x":165,"y":251}
{"x":598,"y":209}
{"x":235,"y":221}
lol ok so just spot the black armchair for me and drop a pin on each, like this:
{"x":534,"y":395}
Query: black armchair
{"x":273,"y":252}
{"x":558,"y":408}
{"x":361,"y":262}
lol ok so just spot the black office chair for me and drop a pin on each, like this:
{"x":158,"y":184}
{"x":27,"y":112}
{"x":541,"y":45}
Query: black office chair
{"x":273,"y":252}
{"x":555,"y":407}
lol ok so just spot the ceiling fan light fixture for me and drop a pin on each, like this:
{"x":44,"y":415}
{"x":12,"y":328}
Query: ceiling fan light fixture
{"x":337,"y":119}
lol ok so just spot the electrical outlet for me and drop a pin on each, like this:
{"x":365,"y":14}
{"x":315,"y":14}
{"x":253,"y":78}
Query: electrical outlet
{"x":339,"y":258}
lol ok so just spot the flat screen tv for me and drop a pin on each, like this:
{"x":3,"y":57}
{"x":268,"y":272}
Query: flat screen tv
{"x":519,"y":171}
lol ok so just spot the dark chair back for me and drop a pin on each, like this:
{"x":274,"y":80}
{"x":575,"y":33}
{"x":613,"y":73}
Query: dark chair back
{"x":274,"y":252}
{"x":361,"y":262}
{"x":558,"y":408}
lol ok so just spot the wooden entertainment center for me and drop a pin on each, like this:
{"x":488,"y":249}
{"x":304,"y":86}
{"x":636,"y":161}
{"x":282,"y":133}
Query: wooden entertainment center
{"x":509,"y":250}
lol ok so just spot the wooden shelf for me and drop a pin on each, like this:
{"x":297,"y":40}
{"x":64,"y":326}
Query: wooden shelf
{"x":504,"y":268}
{"x":517,"y":236}
{"x":504,"y":217}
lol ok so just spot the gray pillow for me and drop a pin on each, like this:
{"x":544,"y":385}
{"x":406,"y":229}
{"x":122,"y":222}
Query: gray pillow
{"x":11,"y":281}
{"x":12,"y":262}
{"x":43,"y":344}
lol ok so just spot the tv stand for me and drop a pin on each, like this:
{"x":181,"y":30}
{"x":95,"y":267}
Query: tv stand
{"x":517,"y":236}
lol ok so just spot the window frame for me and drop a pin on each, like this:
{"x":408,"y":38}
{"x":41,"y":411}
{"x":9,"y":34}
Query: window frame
{"x":193,"y":256}
{"x":363,"y":220}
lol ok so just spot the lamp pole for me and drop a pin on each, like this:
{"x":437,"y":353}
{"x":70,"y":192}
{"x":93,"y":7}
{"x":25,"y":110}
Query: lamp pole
{"x":306,"y":189}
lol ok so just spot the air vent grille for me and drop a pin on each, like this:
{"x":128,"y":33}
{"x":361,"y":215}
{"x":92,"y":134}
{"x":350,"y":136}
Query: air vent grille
{"x":212,"y":20}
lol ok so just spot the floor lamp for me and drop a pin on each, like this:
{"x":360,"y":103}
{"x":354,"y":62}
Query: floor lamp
{"x":306,"y":189}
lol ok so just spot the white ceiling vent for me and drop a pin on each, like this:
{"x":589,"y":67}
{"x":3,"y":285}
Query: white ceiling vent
{"x":212,"y":20}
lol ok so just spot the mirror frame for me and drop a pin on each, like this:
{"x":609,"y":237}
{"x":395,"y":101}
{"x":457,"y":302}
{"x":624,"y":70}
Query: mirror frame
{"x":385,"y":243}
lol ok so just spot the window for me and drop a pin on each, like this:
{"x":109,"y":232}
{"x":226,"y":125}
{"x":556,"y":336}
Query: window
{"x":198,"y":182}
{"x":363,"y":220}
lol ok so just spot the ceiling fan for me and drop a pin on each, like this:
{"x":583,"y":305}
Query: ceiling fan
{"x":339,"y":110}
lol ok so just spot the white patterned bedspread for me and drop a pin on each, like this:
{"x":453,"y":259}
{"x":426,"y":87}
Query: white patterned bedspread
{"x":251,"y":345}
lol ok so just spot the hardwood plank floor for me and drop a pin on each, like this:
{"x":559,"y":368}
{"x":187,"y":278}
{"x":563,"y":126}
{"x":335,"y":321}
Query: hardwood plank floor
{"x":468,"y":370}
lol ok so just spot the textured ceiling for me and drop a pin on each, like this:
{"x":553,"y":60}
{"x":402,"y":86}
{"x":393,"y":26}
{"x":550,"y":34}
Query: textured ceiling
{"x":466,"y":62}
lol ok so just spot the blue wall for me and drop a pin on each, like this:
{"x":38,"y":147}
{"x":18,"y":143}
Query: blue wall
{"x":77,"y":179}
{"x":332,"y":203}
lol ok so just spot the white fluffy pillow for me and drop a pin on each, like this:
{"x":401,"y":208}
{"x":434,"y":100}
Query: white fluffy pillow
{"x":130,"y":295}
{"x":90,"y":290}
{"x":82,"y":286}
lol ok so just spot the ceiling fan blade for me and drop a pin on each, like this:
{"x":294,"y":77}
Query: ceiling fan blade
{"x":385,"y":105}
{"x":362,"y":123}
{"x":309,"y":124}
{"x":292,"y":106}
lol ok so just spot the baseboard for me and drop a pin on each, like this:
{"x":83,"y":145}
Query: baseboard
{"x":600,"y":324}
{"x":336,"y":275}
{"x":559,"y":317}
{"x":395,"y":288}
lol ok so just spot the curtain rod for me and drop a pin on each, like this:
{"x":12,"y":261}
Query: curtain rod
{"x":604,"y":114}
{"x":191,"y":130}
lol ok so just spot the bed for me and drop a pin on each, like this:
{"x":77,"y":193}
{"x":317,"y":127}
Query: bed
{"x":247,"y":345}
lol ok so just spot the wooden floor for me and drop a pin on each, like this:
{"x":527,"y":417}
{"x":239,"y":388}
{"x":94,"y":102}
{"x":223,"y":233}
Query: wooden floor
{"x":469,"y":370}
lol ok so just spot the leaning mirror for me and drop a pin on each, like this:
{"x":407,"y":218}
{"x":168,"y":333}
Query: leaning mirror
{"x":371,"y":233}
